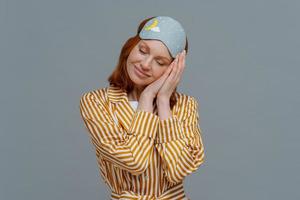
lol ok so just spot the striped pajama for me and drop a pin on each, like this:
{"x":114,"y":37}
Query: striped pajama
{"x":139,"y":155}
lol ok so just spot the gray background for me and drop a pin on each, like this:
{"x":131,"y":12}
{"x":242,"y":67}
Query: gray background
{"x":243,"y":67}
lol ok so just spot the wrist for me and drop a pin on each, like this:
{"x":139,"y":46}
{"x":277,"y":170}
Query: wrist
{"x":148,"y":96}
{"x":163,"y":99}
{"x":145,"y":103}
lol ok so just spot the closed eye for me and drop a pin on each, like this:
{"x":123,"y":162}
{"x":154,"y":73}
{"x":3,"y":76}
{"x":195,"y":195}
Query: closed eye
{"x":142,"y":51}
{"x":160,"y":63}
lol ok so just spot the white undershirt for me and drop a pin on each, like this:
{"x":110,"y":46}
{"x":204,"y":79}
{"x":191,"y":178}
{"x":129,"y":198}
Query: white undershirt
{"x":134,"y":104}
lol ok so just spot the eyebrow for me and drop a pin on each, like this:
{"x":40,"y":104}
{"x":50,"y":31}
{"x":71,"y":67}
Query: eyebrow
{"x":160,"y":57}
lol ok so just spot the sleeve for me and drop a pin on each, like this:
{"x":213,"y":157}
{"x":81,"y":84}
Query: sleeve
{"x":179,"y":143}
{"x":129,"y":151}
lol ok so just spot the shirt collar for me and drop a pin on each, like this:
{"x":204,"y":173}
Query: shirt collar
{"x":116,"y":94}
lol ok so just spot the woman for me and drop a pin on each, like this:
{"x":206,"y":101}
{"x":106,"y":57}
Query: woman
{"x":146,"y":135}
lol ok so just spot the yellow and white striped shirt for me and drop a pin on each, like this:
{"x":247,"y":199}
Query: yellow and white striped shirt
{"x":139,"y":155}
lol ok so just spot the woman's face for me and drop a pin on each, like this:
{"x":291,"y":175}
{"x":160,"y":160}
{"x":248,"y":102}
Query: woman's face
{"x":147,"y":61}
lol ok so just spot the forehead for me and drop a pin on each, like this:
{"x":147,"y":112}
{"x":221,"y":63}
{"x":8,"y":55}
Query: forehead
{"x":156,"y":46}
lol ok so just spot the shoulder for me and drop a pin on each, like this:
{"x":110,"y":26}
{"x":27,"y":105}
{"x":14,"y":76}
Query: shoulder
{"x":97,"y":95}
{"x":185,"y":100}
{"x":185,"y":106}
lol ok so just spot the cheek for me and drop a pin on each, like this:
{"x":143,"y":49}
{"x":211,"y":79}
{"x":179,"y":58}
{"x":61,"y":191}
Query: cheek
{"x":159,"y":72}
{"x":134,"y":55}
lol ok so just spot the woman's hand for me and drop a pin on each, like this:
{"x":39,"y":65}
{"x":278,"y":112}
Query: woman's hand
{"x":153,"y":88}
{"x":173,"y":79}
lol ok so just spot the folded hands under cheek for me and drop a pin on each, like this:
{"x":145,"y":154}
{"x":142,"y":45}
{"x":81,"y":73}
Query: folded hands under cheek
{"x":164,"y":86}
{"x":174,"y":77}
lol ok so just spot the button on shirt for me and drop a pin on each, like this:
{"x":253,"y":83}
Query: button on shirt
{"x":139,"y":155}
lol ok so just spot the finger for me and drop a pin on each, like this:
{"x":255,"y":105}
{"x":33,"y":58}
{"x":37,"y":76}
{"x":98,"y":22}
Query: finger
{"x":184,"y":56}
{"x":171,"y":74}
{"x":167,"y":72}
{"x":175,"y":68}
{"x":182,"y":61}
{"x":181,"y":67}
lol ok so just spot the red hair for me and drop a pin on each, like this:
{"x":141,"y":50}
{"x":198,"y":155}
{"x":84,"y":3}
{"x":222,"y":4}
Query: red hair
{"x":120,"y":77}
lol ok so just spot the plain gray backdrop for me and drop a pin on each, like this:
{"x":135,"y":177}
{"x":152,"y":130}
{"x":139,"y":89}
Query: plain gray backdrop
{"x":242,"y":67}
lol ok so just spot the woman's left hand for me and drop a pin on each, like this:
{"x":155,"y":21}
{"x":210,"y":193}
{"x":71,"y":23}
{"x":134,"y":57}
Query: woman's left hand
{"x":173,"y":79}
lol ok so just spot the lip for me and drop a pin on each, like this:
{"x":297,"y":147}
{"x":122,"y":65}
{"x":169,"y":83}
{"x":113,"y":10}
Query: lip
{"x":139,"y":73}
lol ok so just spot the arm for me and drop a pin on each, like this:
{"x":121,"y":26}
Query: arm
{"x":179,"y":142}
{"x":129,"y":151}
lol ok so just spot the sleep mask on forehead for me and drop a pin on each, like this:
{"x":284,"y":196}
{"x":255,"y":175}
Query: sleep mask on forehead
{"x":167,"y":30}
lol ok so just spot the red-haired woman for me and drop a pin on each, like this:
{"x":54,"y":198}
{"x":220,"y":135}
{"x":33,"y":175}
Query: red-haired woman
{"x":146,"y":134}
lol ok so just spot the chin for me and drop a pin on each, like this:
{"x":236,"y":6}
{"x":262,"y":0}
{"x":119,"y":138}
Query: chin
{"x":139,"y":82}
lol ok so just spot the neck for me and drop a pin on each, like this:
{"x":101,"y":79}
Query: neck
{"x":135,"y":94}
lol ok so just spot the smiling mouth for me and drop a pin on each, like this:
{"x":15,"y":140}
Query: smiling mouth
{"x":140,"y":73}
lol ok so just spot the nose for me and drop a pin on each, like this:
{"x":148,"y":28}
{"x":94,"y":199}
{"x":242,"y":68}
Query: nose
{"x":146,"y":63}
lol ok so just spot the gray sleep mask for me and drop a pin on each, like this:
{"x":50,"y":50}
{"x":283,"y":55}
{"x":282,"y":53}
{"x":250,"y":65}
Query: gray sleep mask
{"x":167,"y":30}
